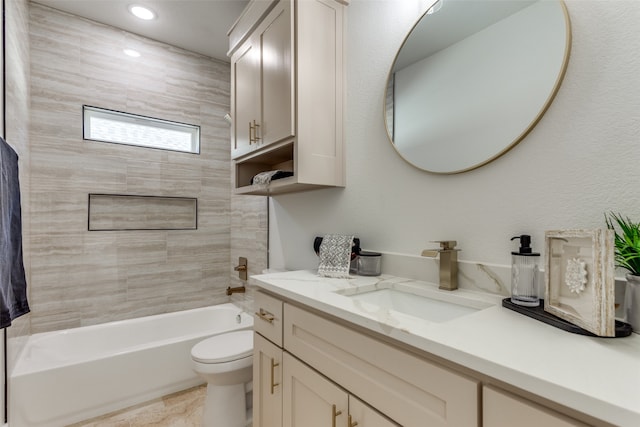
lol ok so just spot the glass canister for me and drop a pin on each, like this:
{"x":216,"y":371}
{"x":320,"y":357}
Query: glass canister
{"x":369,"y":263}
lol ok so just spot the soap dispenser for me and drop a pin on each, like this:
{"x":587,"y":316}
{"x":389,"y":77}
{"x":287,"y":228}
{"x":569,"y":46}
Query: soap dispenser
{"x":524,"y":274}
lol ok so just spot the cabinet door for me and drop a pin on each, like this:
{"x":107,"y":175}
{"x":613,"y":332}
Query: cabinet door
{"x":310,"y":400}
{"x":245,"y":98}
{"x":267,"y":383}
{"x":500,"y":409}
{"x":409,"y":389}
{"x":277,"y":71}
{"x":362,"y":415}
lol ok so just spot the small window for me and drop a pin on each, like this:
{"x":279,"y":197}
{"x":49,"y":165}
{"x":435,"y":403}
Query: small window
{"x":130,"y":129}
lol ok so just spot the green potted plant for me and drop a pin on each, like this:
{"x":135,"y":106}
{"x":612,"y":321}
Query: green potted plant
{"x":627,"y":256}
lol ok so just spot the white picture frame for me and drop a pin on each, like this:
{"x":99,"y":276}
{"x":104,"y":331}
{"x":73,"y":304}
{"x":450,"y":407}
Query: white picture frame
{"x":579,"y":278}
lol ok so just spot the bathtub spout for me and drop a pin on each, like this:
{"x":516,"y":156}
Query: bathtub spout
{"x":239,"y":289}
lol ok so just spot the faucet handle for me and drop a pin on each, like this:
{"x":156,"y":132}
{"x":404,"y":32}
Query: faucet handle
{"x":446,"y":245}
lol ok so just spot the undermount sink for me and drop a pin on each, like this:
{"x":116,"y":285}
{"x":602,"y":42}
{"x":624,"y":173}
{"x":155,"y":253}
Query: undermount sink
{"x":428,"y":304}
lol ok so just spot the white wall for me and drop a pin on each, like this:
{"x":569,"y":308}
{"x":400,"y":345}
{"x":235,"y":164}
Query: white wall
{"x":579,"y":162}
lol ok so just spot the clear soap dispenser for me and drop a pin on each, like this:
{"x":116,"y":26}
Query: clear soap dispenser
{"x":524,"y":274}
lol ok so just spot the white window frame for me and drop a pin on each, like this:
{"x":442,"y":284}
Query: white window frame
{"x":90,"y":112}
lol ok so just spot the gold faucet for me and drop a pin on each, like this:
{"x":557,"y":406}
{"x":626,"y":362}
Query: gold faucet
{"x":238,"y":289}
{"x":448,"y":263}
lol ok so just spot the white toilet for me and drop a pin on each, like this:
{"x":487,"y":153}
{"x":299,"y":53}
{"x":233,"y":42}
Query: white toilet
{"x":225,"y":362}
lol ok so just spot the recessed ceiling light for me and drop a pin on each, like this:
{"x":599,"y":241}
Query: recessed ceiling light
{"x":132,"y":53}
{"x":142,"y":12}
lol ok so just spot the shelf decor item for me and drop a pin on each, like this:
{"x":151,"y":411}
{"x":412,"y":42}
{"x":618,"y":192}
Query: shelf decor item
{"x":579,"y":278}
{"x":627,"y":256}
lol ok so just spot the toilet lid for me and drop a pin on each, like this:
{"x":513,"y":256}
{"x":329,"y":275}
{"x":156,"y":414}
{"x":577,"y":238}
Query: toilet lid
{"x":224,"y":347}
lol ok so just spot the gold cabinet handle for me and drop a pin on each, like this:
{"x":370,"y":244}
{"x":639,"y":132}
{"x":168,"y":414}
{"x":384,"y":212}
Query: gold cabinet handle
{"x":335,"y":415}
{"x":256,"y":138}
{"x":265,"y":315}
{"x":351,"y":422}
{"x":250,"y":133}
{"x":273,"y":368}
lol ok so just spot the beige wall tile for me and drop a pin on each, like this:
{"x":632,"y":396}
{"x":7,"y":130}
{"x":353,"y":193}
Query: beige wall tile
{"x":82,"y":277}
{"x":17,"y":135}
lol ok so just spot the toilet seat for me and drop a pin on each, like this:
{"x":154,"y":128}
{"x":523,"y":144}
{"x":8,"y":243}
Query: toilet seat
{"x":224,"y":348}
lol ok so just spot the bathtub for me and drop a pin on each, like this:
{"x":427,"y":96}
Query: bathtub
{"x":67,"y":376}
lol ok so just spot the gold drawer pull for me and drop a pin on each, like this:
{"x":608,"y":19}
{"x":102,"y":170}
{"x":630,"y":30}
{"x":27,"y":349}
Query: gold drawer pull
{"x":273,"y":368}
{"x":335,"y":415}
{"x":265,"y":315}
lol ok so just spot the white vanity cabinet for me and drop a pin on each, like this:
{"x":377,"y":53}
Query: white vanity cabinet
{"x":314,"y":378}
{"x":311,"y":400}
{"x":503,"y":409}
{"x":267,"y":362}
{"x":267,"y":383}
{"x":360,"y":414}
{"x":408,"y":389}
{"x":491,"y":368}
{"x":287,"y":94}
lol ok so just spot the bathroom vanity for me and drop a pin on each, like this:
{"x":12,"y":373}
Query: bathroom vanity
{"x":340,"y":352}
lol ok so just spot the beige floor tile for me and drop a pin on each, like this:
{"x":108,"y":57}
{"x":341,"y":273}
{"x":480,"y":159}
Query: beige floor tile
{"x":182,"y":409}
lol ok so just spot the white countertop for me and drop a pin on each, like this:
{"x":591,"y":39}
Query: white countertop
{"x":597,"y":376}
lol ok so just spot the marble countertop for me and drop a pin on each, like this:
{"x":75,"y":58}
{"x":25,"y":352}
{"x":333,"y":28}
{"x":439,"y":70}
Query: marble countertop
{"x":597,"y":376}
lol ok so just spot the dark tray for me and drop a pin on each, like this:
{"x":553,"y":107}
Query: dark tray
{"x":538,"y":313}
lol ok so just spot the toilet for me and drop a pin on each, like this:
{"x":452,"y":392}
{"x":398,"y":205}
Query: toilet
{"x":225,"y":362}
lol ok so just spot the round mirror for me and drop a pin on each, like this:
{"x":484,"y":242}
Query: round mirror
{"x":472,"y":78}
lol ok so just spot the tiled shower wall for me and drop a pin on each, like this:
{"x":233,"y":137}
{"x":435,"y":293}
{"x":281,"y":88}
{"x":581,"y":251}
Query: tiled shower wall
{"x":17,"y":135}
{"x":81,"y":277}
{"x":249,"y":229}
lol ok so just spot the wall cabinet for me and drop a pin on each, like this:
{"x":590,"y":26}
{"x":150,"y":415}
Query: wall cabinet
{"x":263,"y":97}
{"x":287,"y":95}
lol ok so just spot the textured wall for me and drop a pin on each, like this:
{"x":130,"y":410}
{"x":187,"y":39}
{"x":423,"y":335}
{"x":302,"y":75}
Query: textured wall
{"x":81,"y":277}
{"x":17,"y":121}
{"x":580,"y":161}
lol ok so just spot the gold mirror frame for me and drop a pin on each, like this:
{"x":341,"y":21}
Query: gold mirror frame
{"x":503,"y":146}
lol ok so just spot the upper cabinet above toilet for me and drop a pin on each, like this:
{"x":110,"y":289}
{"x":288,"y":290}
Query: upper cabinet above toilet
{"x":287,"y":95}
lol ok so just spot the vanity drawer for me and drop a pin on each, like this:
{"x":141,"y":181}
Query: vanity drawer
{"x":410,"y":390}
{"x":502,"y":409}
{"x":268,"y":317}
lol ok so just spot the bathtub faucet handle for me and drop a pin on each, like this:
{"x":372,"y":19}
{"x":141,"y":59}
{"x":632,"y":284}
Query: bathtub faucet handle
{"x":241,"y":268}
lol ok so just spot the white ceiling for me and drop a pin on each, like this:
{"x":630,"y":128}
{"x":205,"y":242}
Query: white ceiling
{"x":197,"y":25}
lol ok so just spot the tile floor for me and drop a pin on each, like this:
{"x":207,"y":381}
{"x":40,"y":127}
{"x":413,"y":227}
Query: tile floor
{"x":182,"y":409}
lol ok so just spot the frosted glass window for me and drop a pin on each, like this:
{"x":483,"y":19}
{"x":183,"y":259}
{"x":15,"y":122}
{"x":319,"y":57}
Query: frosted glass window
{"x":130,"y":129}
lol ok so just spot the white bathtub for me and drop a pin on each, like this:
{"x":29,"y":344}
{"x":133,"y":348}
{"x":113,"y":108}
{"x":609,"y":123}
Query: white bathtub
{"x":68,"y":376}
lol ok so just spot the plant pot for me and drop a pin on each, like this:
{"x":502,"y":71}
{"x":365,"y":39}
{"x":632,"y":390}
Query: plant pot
{"x":632,"y":302}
